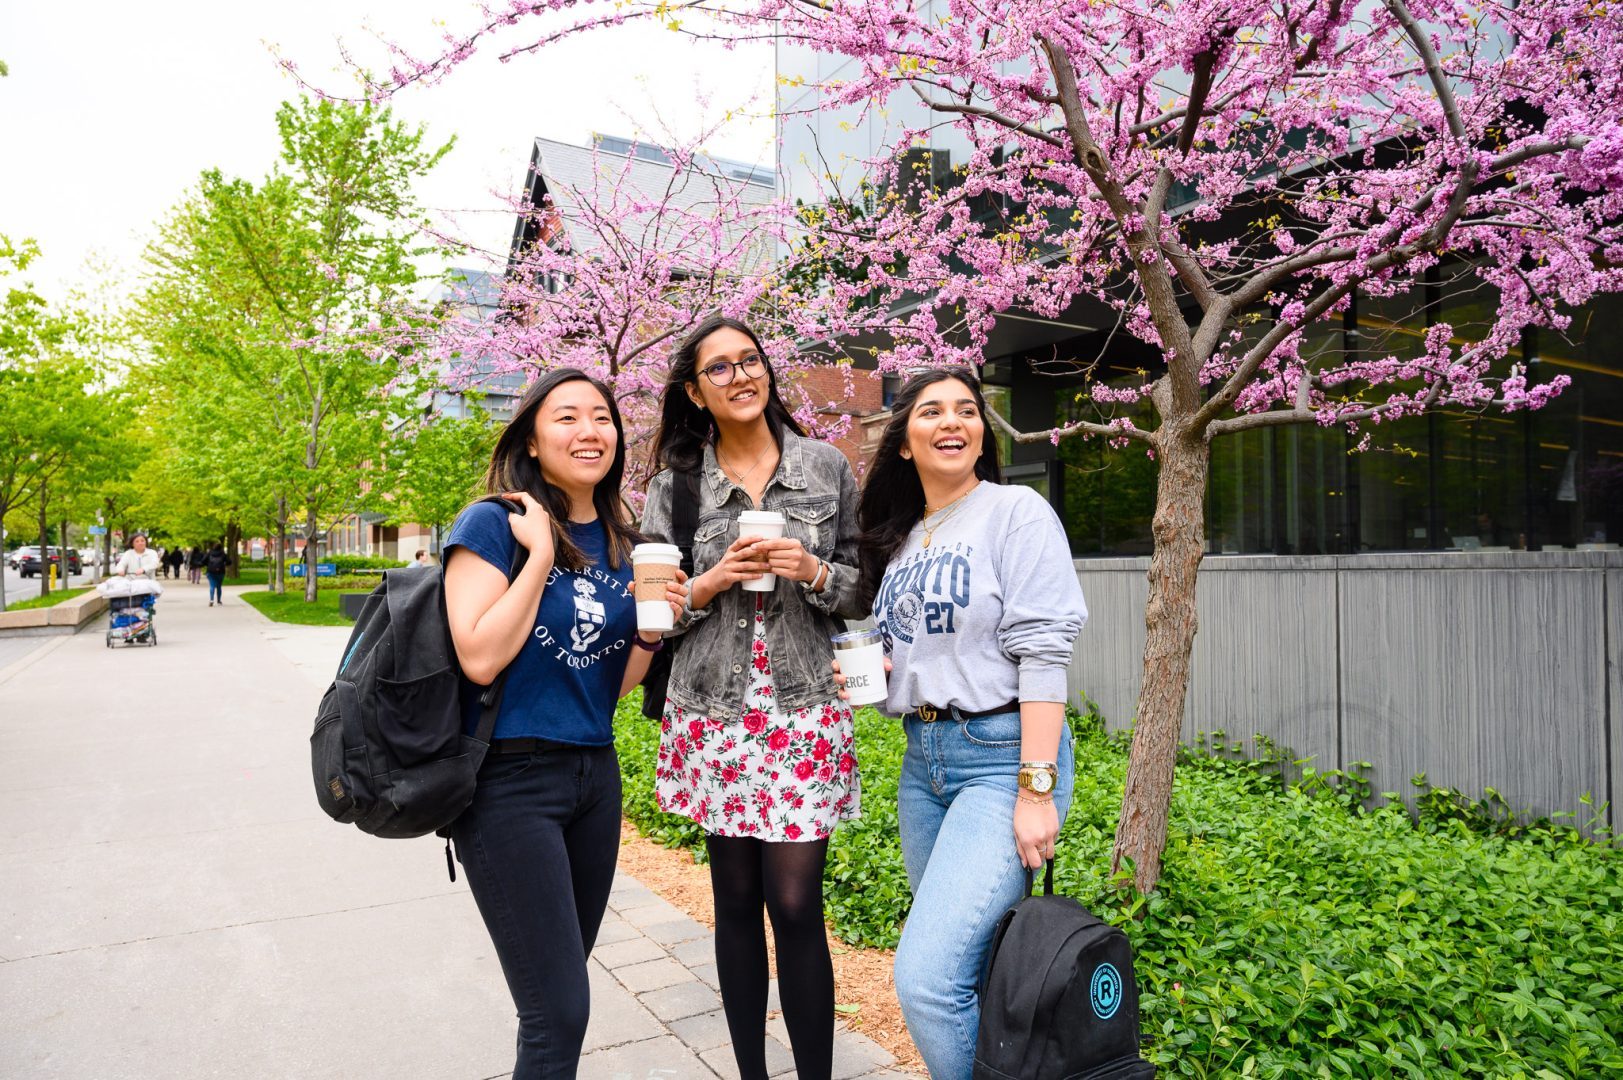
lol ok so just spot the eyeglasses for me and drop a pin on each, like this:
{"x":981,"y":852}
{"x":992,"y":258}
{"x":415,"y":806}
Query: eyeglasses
{"x":722,"y":372}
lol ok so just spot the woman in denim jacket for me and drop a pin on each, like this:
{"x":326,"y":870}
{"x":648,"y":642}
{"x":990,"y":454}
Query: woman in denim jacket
{"x":755,"y":745}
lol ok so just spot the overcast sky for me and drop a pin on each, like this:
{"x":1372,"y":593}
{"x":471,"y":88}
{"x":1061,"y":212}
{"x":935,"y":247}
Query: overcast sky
{"x":113,"y":109}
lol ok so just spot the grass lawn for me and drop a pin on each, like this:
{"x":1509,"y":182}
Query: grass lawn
{"x":251,"y":575}
{"x":290,"y":607}
{"x":47,"y":601}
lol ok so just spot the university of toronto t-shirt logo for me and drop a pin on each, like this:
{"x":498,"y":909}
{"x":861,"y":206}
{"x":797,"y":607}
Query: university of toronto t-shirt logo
{"x":589,"y":616}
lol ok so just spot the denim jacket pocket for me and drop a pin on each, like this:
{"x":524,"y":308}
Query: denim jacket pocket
{"x":710,"y":541}
{"x":812,"y":523}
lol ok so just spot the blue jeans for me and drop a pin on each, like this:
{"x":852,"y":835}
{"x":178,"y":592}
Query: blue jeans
{"x":217,"y":587}
{"x":539,"y":844}
{"x":956,"y":808}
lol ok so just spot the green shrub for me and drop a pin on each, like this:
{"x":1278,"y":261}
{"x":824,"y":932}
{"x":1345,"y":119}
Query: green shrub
{"x":354,"y":562}
{"x":1296,"y":932}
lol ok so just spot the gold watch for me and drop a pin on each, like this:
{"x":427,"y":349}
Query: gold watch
{"x":1039,"y":779}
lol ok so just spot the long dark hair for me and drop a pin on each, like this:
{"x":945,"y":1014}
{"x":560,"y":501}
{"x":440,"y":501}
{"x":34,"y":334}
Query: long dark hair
{"x":684,"y":428}
{"x":893,"y":498}
{"x":513,"y":469}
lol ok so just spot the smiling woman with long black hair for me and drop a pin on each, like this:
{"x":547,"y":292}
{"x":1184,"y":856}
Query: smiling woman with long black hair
{"x":541,"y":838}
{"x":977,"y":602}
{"x":755,"y":747}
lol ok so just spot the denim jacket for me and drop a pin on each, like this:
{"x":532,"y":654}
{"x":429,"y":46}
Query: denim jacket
{"x":814,"y":490}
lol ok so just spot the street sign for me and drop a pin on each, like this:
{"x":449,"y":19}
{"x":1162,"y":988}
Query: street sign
{"x":323,"y":569}
{"x":98,"y":530}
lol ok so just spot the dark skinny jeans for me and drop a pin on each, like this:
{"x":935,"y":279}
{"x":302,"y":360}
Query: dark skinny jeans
{"x":539,"y":844}
{"x":217,"y":586}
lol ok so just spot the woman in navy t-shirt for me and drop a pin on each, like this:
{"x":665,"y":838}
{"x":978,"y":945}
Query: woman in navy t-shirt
{"x":540,"y":840}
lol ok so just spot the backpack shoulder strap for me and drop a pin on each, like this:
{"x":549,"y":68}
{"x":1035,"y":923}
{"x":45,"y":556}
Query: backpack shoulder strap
{"x":490,"y":700}
{"x":685,"y":514}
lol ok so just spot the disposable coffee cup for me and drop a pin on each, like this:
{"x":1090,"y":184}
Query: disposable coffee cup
{"x":654,"y":566}
{"x":861,"y":654}
{"x":768,"y":525}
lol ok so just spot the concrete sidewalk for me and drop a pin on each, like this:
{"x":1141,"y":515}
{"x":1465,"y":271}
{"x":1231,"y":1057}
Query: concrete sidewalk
{"x":173,"y":904}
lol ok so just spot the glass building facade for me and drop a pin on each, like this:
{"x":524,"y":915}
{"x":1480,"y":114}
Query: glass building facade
{"x":1450,"y":480}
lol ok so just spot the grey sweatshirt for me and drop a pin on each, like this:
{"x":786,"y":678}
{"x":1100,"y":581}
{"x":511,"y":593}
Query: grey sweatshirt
{"x":988,"y":612}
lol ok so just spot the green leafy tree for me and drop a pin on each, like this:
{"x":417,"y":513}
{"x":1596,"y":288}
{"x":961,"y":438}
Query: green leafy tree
{"x":438,"y":467}
{"x":272,"y":302}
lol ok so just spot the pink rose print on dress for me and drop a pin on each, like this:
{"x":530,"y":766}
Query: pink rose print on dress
{"x":779,"y":763}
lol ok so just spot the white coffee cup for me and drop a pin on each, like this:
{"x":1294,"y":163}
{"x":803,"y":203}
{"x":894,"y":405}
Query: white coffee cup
{"x":861,"y":654}
{"x":654,"y":566}
{"x":767,"y":525}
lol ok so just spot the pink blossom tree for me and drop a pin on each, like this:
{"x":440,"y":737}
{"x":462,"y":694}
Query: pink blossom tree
{"x":1226,"y":175}
{"x":622,"y":267}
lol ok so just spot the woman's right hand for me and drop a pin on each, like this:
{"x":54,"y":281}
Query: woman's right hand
{"x":533,"y":528}
{"x":740,"y":562}
{"x":839,"y":678}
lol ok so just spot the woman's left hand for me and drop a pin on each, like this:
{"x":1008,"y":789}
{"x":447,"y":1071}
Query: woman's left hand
{"x":1036,"y":827}
{"x":789,"y":558}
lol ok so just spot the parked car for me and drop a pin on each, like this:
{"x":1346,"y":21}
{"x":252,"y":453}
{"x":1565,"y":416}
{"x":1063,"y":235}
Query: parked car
{"x":15,"y":558}
{"x":29,"y":564}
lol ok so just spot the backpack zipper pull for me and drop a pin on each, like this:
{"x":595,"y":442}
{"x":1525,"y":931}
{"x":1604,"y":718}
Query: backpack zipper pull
{"x":450,"y":863}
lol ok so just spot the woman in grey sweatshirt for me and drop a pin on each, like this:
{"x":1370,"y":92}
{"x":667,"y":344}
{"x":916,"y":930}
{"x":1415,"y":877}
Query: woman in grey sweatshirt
{"x":978,"y":604}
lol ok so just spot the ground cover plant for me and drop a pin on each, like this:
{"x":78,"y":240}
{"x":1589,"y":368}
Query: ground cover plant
{"x":1295,"y":932}
{"x":292,"y":607}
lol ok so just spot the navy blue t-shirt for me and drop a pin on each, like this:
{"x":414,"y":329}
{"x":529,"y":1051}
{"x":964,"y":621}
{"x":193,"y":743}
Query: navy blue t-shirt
{"x":565,"y":681}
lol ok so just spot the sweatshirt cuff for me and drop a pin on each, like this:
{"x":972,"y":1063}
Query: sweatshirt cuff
{"x":1043,"y":682}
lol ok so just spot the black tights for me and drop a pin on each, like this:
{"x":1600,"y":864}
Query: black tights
{"x":787,"y":878}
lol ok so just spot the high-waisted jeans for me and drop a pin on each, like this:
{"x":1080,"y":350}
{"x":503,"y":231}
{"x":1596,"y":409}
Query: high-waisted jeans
{"x":539,"y":844}
{"x":956,"y":805}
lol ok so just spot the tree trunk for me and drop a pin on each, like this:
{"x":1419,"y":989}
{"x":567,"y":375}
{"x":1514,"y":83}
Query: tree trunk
{"x":1169,"y":624}
{"x":280,"y":573}
{"x":233,"y":541}
{"x":44,"y":544}
{"x":67,"y":560}
{"x":3,"y":509}
{"x":310,"y":557}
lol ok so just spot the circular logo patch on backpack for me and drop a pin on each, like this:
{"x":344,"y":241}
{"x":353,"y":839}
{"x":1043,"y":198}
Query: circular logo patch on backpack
{"x":1105,"y":991}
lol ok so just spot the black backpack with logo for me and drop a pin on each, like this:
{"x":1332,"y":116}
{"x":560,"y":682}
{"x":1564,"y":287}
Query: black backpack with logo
{"x":1058,"y":1001}
{"x":388,"y":753}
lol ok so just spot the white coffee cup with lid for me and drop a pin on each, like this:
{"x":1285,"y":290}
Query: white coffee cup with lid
{"x":653,"y":567}
{"x":767,"y":525}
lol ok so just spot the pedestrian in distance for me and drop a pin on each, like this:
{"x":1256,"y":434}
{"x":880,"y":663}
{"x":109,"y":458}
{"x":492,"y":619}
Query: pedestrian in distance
{"x":977,"y":603}
{"x":138,"y":561}
{"x":175,"y":558}
{"x":755,"y":746}
{"x":194,"y":564}
{"x":423,"y":558}
{"x":214,"y":564}
{"x":541,"y":838}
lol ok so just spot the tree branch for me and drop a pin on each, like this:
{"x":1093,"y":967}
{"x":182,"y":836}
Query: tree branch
{"x":1079,"y":427}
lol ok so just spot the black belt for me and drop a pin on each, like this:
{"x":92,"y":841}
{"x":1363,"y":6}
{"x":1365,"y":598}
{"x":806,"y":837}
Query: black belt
{"x":523,"y":746}
{"x":931,"y":713}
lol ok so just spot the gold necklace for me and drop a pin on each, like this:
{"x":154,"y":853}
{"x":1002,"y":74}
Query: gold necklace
{"x":929,"y":530}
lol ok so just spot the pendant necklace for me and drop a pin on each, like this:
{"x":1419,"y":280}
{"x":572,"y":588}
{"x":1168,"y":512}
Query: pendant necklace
{"x":942,"y":514}
{"x":727,"y":467}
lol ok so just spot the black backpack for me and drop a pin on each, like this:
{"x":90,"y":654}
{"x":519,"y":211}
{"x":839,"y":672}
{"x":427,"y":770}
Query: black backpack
{"x":684,"y":523}
{"x":1058,"y":1001}
{"x":388,"y":753}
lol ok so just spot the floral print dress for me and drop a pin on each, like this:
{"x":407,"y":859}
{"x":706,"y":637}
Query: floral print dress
{"x":772,"y":775}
